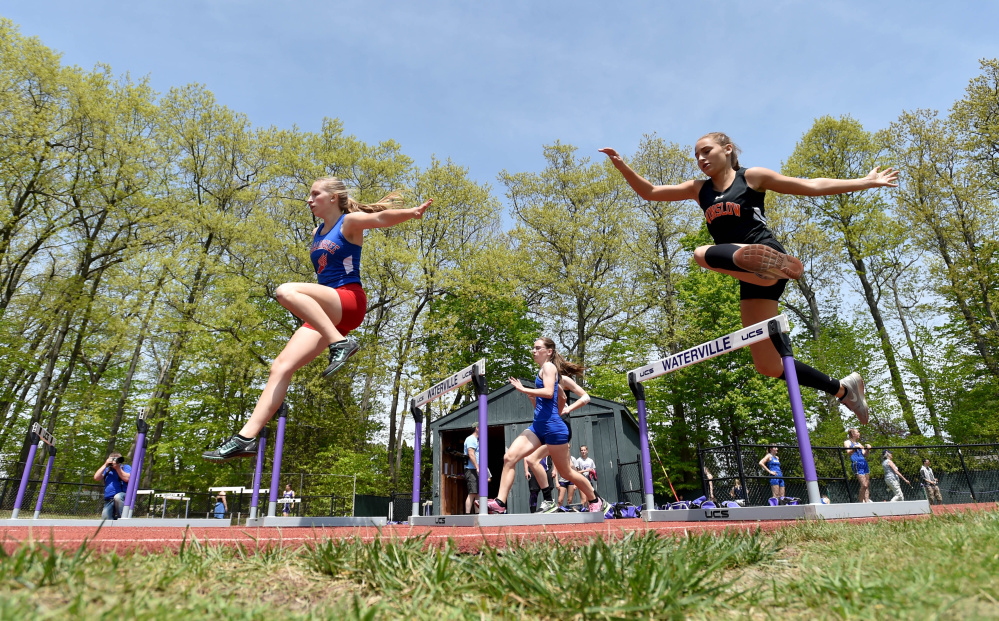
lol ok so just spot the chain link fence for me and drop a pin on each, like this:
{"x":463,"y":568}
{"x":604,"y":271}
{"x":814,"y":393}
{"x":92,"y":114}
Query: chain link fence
{"x":629,"y":481}
{"x":966,"y":472}
{"x":75,"y":494}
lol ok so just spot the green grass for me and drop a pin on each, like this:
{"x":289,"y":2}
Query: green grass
{"x":944,"y":567}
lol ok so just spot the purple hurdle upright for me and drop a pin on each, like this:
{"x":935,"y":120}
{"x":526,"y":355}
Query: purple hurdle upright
{"x":26,"y":473}
{"x":276,"y":464}
{"x":418,"y":419}
{"x":479,"y":378}
{"x":783,"y":345}
{"x":258,"y":471}
{"x":141,"y":427}
{"x":643,"y":435}
{"x":45,"y":482}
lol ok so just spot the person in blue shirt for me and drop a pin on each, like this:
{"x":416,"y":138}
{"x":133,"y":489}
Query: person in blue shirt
{"x":221,"y":506}
{"x":858,"y":461}
{"x":771,"y":465}
{"x":289,"y":495}
{"x":114,"y":473}
{"x":547,"y":428}
{"x":472,"y":469}
{"x":330,"y":308}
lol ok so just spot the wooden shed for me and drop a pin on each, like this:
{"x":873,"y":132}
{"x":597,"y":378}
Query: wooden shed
{"x":605,"y":427}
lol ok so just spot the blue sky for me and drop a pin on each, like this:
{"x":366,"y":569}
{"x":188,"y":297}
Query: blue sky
{"x":489,"y":83}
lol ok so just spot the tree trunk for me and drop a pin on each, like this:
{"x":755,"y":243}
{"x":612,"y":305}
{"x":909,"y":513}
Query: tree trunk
{"x":119,"y":412}
{"x":918,"y":369}
{"x":886,"y":346}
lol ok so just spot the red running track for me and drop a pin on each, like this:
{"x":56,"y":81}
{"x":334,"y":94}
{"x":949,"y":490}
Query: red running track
{"x":140,"y":539}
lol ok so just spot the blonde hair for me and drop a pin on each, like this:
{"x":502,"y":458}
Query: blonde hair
{"x":723,"y":139}
{"x":563,"y":366}
{"x":347,"y":204}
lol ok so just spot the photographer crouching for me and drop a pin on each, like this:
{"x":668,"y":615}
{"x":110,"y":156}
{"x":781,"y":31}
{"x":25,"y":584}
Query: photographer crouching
{"x":114,"y":475}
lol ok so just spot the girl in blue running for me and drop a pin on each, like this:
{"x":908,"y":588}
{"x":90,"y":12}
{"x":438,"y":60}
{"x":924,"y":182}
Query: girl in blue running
{"x":858,"y":461}
{"x":548,"y":428}
{"x":771,"y":464}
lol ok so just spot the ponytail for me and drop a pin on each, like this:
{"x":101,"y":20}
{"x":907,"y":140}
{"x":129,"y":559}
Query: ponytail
{"x":347,"y":204}
{"x":563,"y":366}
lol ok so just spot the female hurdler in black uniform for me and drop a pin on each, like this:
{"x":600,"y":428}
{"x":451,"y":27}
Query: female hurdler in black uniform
{"x":732,"y":200}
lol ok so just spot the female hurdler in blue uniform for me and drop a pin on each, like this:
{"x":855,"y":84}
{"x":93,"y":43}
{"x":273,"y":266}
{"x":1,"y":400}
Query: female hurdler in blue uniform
{"x":732,"y":200}
{"x":547,"y":428}
{"x":330,"y":308}
{"x":858,"y":461}
{"x":771,"y":463}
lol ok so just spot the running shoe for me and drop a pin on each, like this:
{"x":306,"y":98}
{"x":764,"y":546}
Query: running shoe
{"x":494,"y":507}
{"x":232,"y":448}
{"x":598,"y":505}
{"x":339,"y":353}
{"x":767,"y":262}
{"x":854,"y":397}
{"x":547,"y":506}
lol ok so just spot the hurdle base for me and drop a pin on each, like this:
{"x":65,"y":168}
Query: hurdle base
{"x":122,"y":522}
{"x":791,"y":512}
{"x":27,"y":523}
{"x":174,"y":522}
{"x":503,"y":519}
{"x":310,"y":522}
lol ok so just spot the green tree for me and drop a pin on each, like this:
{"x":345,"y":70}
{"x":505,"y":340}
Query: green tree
{"x":570,"y":231}
{"x":841,"y":149}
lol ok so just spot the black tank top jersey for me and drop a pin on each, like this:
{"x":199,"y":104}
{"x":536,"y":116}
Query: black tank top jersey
{"x":735,"y":216}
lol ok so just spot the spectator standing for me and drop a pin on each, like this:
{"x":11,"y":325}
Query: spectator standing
{"x":711,"y":484}
{"x":892,"y":475}
{"x":771,"y":465}
{"x":114,"y":474}
{"x":858,"y":461}
{"x":586,"y":470}
{"x":289,"y":494}
{"x":587,"y":467}
{"x":930,"y":482}
{"x":472,"y":469}
{"x":221,"y":506}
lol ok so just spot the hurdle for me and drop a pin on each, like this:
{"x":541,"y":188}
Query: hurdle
{"x":37,"y":434}
{"x":127,"y":517}
{"x":272,"y":519}
{"x":774,"y":330}
{"x":141,"y":427}
{"x":475,"y":373}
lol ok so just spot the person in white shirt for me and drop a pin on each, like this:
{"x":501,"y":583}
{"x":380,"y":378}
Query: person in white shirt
{"x":892,"y":475}
{"x":586,"y":467}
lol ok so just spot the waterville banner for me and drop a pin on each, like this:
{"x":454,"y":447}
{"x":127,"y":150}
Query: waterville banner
{"x":721,"y":345}
{"x":450,"y":383}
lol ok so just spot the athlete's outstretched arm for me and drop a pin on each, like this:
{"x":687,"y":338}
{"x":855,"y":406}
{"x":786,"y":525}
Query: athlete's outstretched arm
{"x":766,"y":179}
{"x":645,"y":188}
{"x":360,"y":220}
